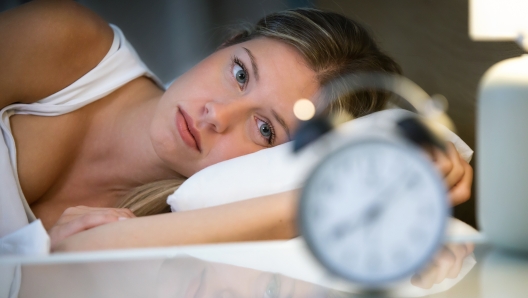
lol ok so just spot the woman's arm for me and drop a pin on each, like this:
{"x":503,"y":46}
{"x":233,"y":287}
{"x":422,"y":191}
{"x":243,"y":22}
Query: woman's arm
{"x":46,"y":46}
{"x":264,"y":218}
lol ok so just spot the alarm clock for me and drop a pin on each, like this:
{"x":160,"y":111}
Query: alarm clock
{"x":375,"y":210}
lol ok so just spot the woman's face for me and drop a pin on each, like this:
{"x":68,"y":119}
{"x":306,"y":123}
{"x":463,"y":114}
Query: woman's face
{"x":236,"y":101}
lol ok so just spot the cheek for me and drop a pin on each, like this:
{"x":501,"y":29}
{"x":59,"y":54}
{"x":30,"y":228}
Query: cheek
{"x":207,"y":75}
{"x":229,"y":148}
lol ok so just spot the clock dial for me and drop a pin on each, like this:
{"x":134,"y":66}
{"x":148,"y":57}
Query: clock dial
{"x":374,"y":211}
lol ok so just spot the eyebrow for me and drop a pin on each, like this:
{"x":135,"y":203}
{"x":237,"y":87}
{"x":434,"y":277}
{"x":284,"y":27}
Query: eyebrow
{"x":282,"y":123}
{"x":253,"y":63}
{"x":256,"y":74}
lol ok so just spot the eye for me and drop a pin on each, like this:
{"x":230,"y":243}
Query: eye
{"x":266,"y":131}
{"x":240,"y":73}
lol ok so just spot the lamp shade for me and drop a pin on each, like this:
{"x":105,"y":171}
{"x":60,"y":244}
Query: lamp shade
{"x":502,"y":126}
{"x":498,"y":19}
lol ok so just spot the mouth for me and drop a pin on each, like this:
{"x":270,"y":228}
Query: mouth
{"x":188,"y":133}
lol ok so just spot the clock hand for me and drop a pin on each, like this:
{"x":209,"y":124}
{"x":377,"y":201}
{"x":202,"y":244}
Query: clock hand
{"x":383,"y":204}
{"x":373,"y":210}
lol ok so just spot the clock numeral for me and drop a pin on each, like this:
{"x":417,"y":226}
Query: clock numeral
{"x":350,"y":256}
{"x":373,"y":262}
{"x":344,"y":165}
{"x":417,"y":235}
{"x":330,"y":188}
{"x":371,"y":176}
{"x":400,"y":256}
{"x":340,"y":231}
{"x":425,"y":210}
{"x":315,"y":214}
{"x":326,"y":186}
{"x":413,"y":181}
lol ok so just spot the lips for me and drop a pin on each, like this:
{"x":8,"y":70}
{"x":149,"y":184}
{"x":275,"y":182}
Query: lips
{"x":188,"y":132}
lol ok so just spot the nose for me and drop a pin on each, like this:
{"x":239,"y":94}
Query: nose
{"x":222,"y":115}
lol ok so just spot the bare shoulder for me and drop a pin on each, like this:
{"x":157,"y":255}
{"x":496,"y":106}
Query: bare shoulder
{"x":47,"y":45}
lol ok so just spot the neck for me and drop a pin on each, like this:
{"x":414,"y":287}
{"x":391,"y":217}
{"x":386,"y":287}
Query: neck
{"x":119,"y":152}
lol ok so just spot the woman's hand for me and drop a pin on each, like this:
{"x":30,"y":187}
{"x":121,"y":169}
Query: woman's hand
{"x":446,"y":264}
{"x":265,"y":218}
{"x":81,"y":218}
{"x":458,"y":174}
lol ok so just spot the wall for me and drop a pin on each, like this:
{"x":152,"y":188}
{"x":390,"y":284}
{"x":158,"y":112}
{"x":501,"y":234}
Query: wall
{"x":173,"y":35}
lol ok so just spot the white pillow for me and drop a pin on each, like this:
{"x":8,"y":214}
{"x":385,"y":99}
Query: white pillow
{"x":278,"y":169}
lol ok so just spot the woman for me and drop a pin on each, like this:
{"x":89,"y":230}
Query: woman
{"x":115,"y":148}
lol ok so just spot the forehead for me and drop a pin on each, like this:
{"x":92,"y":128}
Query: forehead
{"x":284,"y":76}
{"x":280,"y":60}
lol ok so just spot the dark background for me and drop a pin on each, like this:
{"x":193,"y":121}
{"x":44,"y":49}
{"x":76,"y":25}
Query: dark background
{"x":429,"y":38}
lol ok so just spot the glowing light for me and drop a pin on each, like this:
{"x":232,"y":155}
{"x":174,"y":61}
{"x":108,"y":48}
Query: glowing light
{"x":304,"y":109}
{"x":498,"y":20}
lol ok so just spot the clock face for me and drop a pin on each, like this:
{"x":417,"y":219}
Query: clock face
{"x":374,"y":212}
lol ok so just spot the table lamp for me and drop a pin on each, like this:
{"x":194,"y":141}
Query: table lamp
{"x":502,"y":126}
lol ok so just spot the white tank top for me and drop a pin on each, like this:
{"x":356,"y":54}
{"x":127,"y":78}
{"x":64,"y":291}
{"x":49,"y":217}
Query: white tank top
{"x":120,"y":66}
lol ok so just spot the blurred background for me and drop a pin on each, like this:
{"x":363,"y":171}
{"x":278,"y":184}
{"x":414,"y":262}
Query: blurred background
{"x":428,"y":38}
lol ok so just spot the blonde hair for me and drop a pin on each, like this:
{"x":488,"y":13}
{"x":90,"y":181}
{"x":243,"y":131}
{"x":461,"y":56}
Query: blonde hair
{"x":331,"y":44}
{"x":334,"y":46}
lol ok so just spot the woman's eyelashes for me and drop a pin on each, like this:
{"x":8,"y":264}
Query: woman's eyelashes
{"x":240,"y":73}
{"x":266,"y":131}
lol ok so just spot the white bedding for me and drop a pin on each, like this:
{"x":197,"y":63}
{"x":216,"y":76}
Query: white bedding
{"x":279,"y":169}
{"x":168,"y":271}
